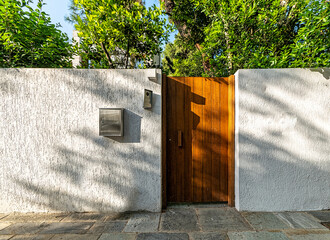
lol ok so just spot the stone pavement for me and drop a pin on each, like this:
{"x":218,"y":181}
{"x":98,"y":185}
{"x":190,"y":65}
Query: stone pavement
{"x":182,"y":222}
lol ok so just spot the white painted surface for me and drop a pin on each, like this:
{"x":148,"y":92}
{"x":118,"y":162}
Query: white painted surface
{"x":282,"y":139}
{"x":51,"y":156}
{"x":236,"y":141}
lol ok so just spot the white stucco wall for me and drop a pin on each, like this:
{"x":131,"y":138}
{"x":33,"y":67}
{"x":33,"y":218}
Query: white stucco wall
{"x":51,"y":155}
{"x":282,"y":139}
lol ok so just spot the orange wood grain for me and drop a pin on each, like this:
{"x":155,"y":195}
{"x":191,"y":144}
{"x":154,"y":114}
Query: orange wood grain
{"x":164,"y":140}
{"x":197,"y":171}
{"x":197,"y":140}
{"x":231,"y":141}
{"x":224,"y":141}
{"x":207,"y":140}
{"x":187,"y":143}
{"x":216,"y":141}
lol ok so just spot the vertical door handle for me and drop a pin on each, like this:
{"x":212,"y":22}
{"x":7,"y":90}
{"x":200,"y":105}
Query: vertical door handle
{"x":180,"y":143}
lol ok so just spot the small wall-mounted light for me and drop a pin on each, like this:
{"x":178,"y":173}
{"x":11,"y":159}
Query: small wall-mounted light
{"x":147,"y":103}
{"x":111,"y":122}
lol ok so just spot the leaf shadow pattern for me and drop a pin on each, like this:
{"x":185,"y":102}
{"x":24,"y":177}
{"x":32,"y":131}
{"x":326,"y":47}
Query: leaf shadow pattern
{"x":67,"y":166}
{"x":283,"y":141}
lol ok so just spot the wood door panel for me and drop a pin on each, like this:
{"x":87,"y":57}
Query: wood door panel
{"x":216,"y":142}
{"x":197,"y":171}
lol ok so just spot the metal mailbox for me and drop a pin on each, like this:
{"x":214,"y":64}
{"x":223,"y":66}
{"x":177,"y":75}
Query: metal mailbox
{"x":111,"y":122}
{"x":147,"y":101}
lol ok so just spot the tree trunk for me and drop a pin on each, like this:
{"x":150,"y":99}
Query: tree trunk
{"x":107,"y":55}
{"x":182,"y":28}
{"x":206,"y":62}
{"x":127,"y":55}
{"x":230,"y":56}
{"x":186,"y":33}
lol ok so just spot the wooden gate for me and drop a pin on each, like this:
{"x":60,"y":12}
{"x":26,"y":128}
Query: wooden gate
{"x":197,"y":139}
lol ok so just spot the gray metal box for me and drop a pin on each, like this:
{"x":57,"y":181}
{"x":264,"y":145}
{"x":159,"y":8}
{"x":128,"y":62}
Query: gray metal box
{"x":111,"y":122}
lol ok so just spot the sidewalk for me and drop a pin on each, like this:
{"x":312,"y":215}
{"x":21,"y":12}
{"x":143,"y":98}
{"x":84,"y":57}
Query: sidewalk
{"x":188,"y":222}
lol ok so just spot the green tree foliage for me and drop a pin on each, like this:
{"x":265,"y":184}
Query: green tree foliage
{"x":181,"y":59}
{"x":241,"y":34}
{"x":117,"y":33}
{"x":28,"y":39}
{"x":311,"y":47}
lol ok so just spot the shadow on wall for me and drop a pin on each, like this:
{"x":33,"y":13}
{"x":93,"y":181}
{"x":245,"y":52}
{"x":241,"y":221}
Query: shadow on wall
{"x":132,"y":128}
{"x":283,"y":142}
{"x":111,"y":186}
{"x":324,"y":71}
{"x":156,"y":104}
{"x":94,"y":173}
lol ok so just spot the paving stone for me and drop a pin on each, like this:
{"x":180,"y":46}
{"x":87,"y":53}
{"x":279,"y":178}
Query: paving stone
{"x":76,"y":237}
{"x":179,"y":220}
{"x":85,"y":217}
{"x":265,"y":221}
{"x":23,"y":228}
{"x":257,"y":236}
{"x":107,"y":227}
{"x":323,"y":216}
{"x":35,"y":217}
{"x":33,"y":237}
{"x":176,"y":205}
{"x":4,"y":225}
{"x":125,"y":216}
{"x":118,"y":236}
{"x":197,"y":205}
{"x":311,"y":236}
{"x":215,"y":205}
{"x":208,"y":236}
{"x":163,"y":236}
{"x":326,"y":224}
{"x":221,"y":219}
{"x":67,"y":227}
{"x":5,"y":237}
{"x":299,"y":220}
{"x":295,"y":231}
{"x":143,"y":222}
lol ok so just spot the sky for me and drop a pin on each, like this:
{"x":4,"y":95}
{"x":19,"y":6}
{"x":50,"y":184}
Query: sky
{"x":59,"y":9}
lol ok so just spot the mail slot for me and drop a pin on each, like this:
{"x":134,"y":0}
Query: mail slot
{"x":147,"y":102}
{"x":111,"y":122}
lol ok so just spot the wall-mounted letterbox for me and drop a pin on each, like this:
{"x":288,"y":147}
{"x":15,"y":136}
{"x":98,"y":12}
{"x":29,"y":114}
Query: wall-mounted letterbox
{"x":147,"y":101}
{"x":111,"y":122}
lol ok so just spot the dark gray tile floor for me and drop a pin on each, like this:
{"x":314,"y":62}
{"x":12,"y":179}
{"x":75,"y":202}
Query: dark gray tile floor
{"x":208,"y":236}
{"x":179,"y":219}
{"x":67,"y":227}
{"x":265,"y":221}
{"x":23,"y":228}
{"x":143,"y":222}
{"x":107,"y":227}
{"x":222,"y":219}
{"x":299,"y":220}
{"x":326,"y":224}
{"x":322,"y":216}
{"x":181,"y":222}
{"x":163,"y":236}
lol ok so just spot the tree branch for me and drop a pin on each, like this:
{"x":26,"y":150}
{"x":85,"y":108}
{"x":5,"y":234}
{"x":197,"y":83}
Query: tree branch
{"x":206,"y":62}
{"x":182,"y":27}
{"x":107,"y":55}
{"x":127,"y":55}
